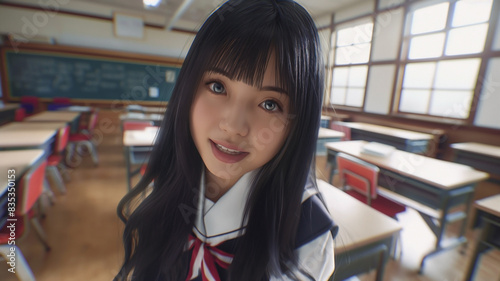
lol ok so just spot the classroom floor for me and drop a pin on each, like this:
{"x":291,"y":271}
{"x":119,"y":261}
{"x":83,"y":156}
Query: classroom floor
{"x":85,"y":233}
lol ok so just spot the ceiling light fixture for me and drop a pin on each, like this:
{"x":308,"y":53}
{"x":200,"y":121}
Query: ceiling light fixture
{"x":151,"y":3}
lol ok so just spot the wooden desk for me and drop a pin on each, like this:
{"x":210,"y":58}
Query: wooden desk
{"x":325,"y":121}
{"x":136,"y":116}
{"x":137,"y":145}
{"x":488,"y":216}
{"x":19,"y":161}
{"x":401,"y":139}
{"x":70,"y":117}
{"x":32,"y":126}
{"x":365,"y":235}
{"x":436,"y":184}
{"x":324,"y":136}
{"x":481,"y":156}
{"x":8,"y":112}
{"x":22,"y":139}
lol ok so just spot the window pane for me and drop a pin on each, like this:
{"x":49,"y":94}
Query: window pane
{"x":414,"y":101}
{"x":457,"y":74}
{"x":471,"y":11}
{"x":467,"y":40}
{"x":357,"y":76}
{"x":353,"y":54}
{"x":454,"y":104}
{"x":419,"y":75}
{"x":340,"y":75}
{"x":338,"y":95}
{"x":355,"y":35}
{"x":429,"y":19}
{"x":345,"y":37}
{"x":355,"y":97}
{"x":427,"y":46}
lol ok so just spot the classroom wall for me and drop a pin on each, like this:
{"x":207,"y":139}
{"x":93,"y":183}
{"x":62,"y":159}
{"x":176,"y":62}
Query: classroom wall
{"x":24,"y":24}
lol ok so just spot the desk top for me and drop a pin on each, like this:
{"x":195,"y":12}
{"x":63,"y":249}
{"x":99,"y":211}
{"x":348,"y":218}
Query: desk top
{"x":25,"y":138}
{"x":144,"y":137}
{"x":328,"y":133}
{"x":9,"y":106}
{"x":32,"y":126}
{"x":358,"y":223}
{"x":64,"y":116}
{"x":435,"y":172}
{"x":154,"y":109}
{"x":485,"y":149}
{"x":76,"y":108}
{"x":141,"y":116}
{"x":19,"y":160}
{"x":489,"y":204}
{"x":399,"y":133}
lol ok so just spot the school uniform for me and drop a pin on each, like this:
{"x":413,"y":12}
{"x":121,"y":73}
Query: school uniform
{"x":218,"y":226}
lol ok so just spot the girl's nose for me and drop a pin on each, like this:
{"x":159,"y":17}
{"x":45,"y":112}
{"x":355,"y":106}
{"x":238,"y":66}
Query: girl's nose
{"x":234,"y":121}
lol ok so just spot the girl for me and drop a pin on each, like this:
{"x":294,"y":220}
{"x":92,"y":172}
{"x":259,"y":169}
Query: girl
{"x":234,"y":194}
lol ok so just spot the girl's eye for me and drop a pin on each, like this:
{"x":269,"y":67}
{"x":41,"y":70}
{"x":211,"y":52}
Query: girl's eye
{"x":270,"y":105}
{"x":217,"y":88}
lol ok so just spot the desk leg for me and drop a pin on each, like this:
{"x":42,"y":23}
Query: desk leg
{"x":480,"y":248}
{"x":464,"y":195}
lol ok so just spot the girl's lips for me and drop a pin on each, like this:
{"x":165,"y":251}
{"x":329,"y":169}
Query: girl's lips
{"x":227,"y":157}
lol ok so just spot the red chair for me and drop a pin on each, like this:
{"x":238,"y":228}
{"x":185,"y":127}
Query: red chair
{"x":83,"y":138}
{"x":59,"y":102}
{"x":30,"y":104}
{"x":54,"y":162}
{"x":28,"y":191}
{"x":20,"y":114}
{"x":359,"y":179}
{"x":136,"y":125}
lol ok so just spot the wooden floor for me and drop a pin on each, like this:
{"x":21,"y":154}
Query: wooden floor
{"x":85,"y":233}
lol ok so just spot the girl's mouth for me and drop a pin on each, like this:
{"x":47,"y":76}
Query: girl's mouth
{"x":227,"y":155}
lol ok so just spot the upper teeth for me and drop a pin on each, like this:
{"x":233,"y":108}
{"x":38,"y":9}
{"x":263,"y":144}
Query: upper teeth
{"x":227,"y":150}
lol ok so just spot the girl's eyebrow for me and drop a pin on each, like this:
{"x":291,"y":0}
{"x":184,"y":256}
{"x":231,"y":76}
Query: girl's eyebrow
{"x":265,"y":88}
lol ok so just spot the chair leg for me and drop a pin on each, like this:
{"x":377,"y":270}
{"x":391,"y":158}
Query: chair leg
{"x":48,"y":192}
{"x":93,"y":152}
{"x":55,"y":177}
{"x":70,"y":151}
{"x":23,"y":270}
{"x":64,"y":171}
{"x":40,"y":233}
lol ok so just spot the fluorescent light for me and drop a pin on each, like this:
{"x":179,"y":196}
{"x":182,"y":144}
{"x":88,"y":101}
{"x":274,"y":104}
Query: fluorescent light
{"x":151,"y":3}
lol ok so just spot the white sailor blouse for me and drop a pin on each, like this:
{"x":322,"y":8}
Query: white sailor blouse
{"x":218,"y":226}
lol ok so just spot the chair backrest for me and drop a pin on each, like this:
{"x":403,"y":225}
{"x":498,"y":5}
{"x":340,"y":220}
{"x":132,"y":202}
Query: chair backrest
{"x":358,"y":175}
{"x":30,"y":103}
{"x":20,"y":114}
{"x":61,"y":100}
{"x":92,"y":121}
{"x":62,"y":139}
{"x":30,"y":187}
{"x":341,"y":128}
{"x":136,"y":125}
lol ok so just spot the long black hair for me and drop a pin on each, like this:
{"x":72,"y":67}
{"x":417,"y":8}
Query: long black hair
{"x":238,"y":38}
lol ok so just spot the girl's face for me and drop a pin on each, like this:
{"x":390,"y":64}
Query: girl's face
{"x":237,"y":127}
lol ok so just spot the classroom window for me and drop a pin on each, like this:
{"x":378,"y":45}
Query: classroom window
{"x":352,"y":48}
{"x":438,"y":80}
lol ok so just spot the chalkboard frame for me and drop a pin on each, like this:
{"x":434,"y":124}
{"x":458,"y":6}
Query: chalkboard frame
{"x":83,"y":53}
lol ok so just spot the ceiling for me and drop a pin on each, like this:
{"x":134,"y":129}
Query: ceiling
{"x":172,"y":14}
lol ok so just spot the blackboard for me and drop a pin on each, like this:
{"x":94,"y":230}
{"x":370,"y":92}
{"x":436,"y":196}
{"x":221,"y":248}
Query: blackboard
{"x":49,"y":75}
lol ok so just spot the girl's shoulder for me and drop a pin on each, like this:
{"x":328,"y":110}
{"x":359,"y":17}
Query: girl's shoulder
{"x":315,"y":219}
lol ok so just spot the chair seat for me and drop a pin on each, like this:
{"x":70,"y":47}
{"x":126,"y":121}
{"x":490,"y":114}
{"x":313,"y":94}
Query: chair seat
{"x":54,"y":160}
{"x":381,"y":204}
{"x":79,"y":137}
{"x":20,"y":227}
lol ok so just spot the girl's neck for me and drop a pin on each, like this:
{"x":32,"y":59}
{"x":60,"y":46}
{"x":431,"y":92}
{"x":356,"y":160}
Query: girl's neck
{"x":216,"y":187}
